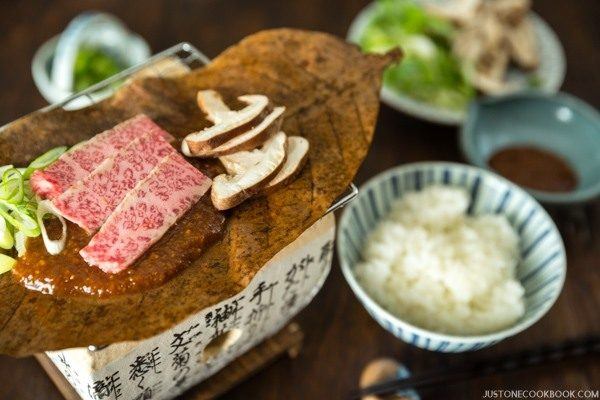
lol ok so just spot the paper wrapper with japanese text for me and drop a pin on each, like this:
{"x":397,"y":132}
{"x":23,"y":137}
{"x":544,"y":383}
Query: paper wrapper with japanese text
{"x":331,"y":93}
{"x":165,"y":365}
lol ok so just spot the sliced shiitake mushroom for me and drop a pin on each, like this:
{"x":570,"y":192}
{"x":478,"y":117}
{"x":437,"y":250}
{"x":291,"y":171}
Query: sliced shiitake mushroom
{"x":297,"y":152}
{"x":212,"y":104}
{"x":248,"y":140}
{"x":523,"y":45}
{"x":229,"y":190}
{"x":227,"y":123}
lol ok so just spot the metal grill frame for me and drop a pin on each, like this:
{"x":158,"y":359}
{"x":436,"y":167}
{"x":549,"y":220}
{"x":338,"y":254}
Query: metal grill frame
{"x":190,"y":56}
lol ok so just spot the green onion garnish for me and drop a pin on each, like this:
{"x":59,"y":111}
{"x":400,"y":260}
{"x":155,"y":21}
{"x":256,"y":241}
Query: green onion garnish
{"x":44,"y":160}
{"x":6,"y":263}
{"x":4,"y":168}
{"x":11,"y":187}
{"x":19,"y":206}
{"x":20,"y":240}
{"x":19,"y":216}
{"x":6,"y":238}
{"x":45,"y":207}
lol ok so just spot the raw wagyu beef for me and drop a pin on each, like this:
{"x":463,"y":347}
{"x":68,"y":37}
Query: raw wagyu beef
{"x":90,"y":201}
{"x":128,"y":184}
{"x":146,"y":213}
{"x":77,"y":163}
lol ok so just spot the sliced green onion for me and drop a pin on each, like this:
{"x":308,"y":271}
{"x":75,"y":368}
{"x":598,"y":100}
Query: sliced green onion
{"x":6,"y":263}
{"x":11,"y":174}
{"x":19,"y":212}
{"x":4,"y":168}
{"x":28,"y":193}
{"x":20,"y":243}
{"x":44,"y":160}
{"x":11,"y":191}
{"x":11,"y":188}
{"x":52,"y":246}
{"x":19,"y":216}
{"x":30,"y":207}
{"x":6,"y":237}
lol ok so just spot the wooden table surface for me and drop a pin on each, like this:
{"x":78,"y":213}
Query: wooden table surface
{"x":340,"y":336}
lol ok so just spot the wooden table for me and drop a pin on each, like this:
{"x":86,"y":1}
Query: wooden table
{"x":340,"y":336}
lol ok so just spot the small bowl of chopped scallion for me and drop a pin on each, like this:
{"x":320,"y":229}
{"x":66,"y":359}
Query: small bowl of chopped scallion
{"x":93,"y":48}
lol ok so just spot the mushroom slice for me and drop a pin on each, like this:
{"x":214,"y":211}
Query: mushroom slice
{"x":250,"y":139}
{"x":523,"y":45}
{"x":211,"y":103}
{"x":297,"y":151}
{"x":238,"y":163}
{"x":489,"y":74}
{"x":492,"y":86}
{"x":511,"y":12}
{"x":227,"y":123}
{"x":261,"y":165}
{"x":297,"y":154}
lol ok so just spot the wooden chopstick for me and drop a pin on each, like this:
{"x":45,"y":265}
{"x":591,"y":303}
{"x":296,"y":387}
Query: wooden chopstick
{"x":525,"y":359}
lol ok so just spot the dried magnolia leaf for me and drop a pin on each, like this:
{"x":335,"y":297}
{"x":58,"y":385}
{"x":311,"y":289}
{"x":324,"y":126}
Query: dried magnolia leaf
{"x":331,"y":94}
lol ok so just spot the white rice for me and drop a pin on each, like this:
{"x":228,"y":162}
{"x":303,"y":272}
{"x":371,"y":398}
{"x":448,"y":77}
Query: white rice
{"x":437,"y":268}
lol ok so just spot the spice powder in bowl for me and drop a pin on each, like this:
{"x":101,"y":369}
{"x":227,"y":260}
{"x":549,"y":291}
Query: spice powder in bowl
{"x":534,"y":168}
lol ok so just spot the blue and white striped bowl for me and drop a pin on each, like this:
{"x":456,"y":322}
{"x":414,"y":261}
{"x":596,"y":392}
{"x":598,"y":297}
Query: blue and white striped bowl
{"x":542,"y":269}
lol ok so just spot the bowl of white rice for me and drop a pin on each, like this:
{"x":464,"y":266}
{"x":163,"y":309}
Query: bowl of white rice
{"x":449,"y":257}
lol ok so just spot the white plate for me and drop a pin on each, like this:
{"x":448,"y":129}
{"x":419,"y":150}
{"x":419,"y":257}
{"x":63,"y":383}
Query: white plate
{"x":551,"y":71}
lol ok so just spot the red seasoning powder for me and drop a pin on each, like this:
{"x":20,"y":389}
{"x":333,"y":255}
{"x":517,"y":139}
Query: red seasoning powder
{"x":534,"y":168}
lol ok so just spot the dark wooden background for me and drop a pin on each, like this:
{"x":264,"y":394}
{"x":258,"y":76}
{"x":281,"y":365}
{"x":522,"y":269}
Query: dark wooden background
{"x":340,"y":337}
